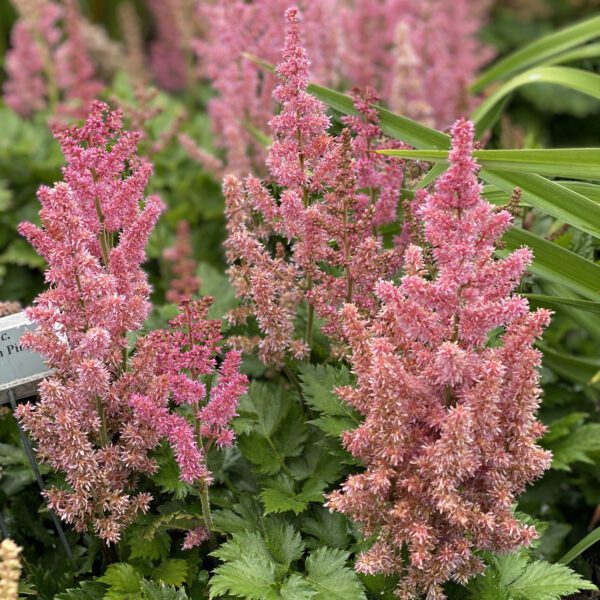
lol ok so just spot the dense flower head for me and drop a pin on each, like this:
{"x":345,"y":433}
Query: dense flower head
{"x":314,"y":242}
{"x":448,"y":439}
{"x":106,"y":408}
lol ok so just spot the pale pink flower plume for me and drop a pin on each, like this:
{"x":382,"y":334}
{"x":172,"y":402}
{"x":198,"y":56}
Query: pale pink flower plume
{"x":449,"y":435}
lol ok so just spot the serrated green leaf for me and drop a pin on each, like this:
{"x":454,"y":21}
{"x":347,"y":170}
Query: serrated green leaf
{"x":250,"y":577}
{"x":544,"y":581}
{"x":318,"y":385}
{"x":329,"y":528}
{"x":277,"y":427}
{"x":576,"y":447}
{"x":168,"y":478}
{"x":87,"y":590}
{"x":278,"y":500}
{"x":283,"y":542}
{"x":297,"y":588}
{"x":123,"y":582}
{"x":514,"y":577}
{"x":147,"y":541}
{"x":156,"y":591}
{"x":171,"y":571}
{"x":327,"y":572}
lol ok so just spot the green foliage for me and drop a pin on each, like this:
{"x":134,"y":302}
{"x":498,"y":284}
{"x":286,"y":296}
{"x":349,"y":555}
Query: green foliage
{"x":570,"y":441}
{"x":259,"y":567}
{"x":318,"y":386}
{"x":87,"y":590}
{"x":515,"y":577}
{"x":271,"y":427}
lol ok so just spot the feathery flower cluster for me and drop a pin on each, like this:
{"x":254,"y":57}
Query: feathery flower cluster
{"x":435,"y":56}
{"x":449,"y":434}
{"x":48,"y":62}
{"x":104,"y":410}
{"x":185,"y":282}
{"x":333,"y":256}
{"x":245,"y":91}
{"x":10,"y":570}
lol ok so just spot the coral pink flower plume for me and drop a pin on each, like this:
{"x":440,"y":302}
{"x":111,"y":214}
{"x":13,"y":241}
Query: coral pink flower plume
{"x":449,"y":435}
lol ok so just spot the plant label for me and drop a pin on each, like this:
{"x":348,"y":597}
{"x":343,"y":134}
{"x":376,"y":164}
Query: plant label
{"x":20,"y":369}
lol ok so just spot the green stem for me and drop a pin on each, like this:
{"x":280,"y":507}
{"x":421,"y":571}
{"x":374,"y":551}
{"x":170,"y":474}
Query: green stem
{"x":205,"y":501}
{"x":103,"y":424}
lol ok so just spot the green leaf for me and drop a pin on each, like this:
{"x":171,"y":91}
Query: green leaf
{"x":168,"y":477}
{"x":543,"y":581}
{"x":538,"y":51}
{"x":329,"y":528}
{"x":318,"y":386}
{"x":397,"y":126}
{"x":576,"y":54}
{"x":155,"y":591}
{"x":280,"y":497}
{"x":251,"y":576}
{"x":327,"y":572}
{"x":554,"y":199}
{"x":283,"y":542}
{"x":123,"y":582}
{"x":578,"y":370}
{"x":514,"y":577}
{"x":297,"y":588}
{"x":555,"y":263}
{"x":171,"y":571}
{"x":556,"y":302}
{"x":146,"y":539}
{"x":87,"y":590}
{"x":575,"y":447}
{"x":575,"y":79}
{"x":270,"y":426}
{"x":578,"y":163}
{"x":589,"y":540}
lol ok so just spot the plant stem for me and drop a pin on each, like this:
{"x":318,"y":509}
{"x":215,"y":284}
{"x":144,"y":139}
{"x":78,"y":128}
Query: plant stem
{"x":205,"y":501}
{"x":103,"y":425}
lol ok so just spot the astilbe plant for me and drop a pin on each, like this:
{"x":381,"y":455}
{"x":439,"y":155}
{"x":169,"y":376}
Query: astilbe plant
{"x":419,"y":56}
{"x":48,"y":64}
{"x":313,"y":244}
{"x":108,"y":405}
{"x":449,"y":434}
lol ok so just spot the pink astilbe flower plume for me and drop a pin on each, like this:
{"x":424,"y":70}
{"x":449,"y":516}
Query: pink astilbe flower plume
{"x":49,"y":64}
{"x":106,"y":408}
{"x":449,"y":436}
{"x":314,"y":242}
